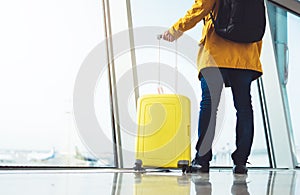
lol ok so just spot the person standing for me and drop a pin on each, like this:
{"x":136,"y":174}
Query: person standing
{"x":221,"y":61}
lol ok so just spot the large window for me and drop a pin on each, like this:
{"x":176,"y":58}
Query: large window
{"x":47,"y":48}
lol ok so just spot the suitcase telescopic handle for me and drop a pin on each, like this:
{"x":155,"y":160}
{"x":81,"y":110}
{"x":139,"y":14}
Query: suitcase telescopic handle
{"x":159,"y":37}
{"x":160,"y":89}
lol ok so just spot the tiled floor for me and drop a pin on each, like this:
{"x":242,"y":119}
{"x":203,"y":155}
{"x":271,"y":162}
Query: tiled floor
{"x":118,"y":182}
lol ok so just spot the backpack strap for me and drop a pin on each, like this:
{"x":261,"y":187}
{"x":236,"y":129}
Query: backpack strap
{"x":211,"y":15}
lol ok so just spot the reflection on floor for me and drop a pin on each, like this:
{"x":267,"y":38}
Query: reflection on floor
{"x":124,"y":182}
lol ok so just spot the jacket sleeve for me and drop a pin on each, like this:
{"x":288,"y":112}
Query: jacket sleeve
{"x":198,"y":11}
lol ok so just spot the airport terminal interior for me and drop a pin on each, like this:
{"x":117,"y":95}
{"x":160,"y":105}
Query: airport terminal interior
{"x":72,"y":77}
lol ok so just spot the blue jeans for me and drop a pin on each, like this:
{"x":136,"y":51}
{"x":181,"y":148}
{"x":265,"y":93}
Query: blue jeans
{"x":212,"y":80}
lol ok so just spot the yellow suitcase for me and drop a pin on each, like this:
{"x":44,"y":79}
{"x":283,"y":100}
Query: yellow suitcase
{"x":163,"y":137}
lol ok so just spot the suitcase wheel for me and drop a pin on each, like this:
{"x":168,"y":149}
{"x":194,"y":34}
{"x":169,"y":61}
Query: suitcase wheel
{"x":138,"y":165}
{"x":183,"y":164}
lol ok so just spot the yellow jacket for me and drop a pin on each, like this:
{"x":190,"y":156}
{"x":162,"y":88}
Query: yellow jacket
{"x":214,"y":50}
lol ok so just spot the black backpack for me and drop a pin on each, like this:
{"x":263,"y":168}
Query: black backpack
{"x":242,"y":21}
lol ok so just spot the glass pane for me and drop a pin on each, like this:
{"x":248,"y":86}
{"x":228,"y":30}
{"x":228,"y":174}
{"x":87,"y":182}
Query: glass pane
{"x":285,"y":34}
{"x":160,"y":15}
{"x":44,"y":44}
{"x":293,"y":91}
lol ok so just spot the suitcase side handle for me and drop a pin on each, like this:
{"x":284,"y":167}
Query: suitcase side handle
{"x":188,"y":130}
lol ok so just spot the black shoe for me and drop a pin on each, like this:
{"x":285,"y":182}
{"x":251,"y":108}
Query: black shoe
{"x":198,"y":166}
{"x":240,"y":169}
